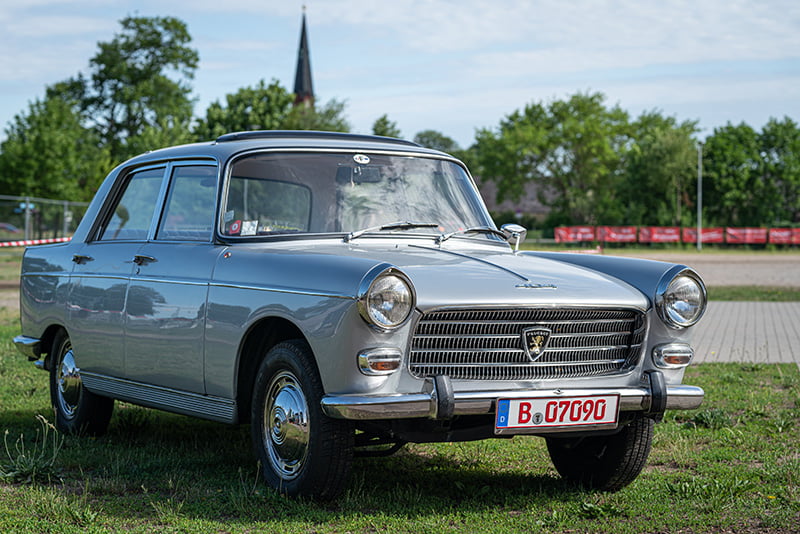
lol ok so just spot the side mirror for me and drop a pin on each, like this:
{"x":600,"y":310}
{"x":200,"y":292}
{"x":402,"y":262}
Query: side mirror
{"x":514,"y":234}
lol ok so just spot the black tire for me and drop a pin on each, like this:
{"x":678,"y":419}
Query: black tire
{"x":302,"y":451}
{"x":607,"y":463}
{"x":77,"y":410}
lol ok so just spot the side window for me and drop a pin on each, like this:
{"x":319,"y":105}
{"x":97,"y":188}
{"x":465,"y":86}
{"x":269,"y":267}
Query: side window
{"x":133,"y":214}
{"x":189,"y":212}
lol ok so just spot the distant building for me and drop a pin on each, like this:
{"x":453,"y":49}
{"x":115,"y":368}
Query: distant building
{"x":303,"y":86}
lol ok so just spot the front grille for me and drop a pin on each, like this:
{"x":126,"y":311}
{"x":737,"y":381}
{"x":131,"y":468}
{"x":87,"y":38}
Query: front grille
{"x":489,"y":345}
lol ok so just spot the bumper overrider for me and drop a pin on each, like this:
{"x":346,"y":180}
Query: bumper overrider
{"x":653,"y":397}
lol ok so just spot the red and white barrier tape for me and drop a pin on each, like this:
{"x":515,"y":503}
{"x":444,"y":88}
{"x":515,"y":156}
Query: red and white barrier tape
{"x":30,"y":242}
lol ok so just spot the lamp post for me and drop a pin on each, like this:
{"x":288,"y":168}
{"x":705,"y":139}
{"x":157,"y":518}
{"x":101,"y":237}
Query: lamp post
{"x":699,"y":195}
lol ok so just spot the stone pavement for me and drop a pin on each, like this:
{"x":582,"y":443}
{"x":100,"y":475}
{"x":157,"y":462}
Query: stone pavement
{"x":759,"y":332}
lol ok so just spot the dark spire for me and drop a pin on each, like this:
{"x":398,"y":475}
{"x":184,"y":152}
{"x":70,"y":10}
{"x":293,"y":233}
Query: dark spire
{"x":303,"y":88}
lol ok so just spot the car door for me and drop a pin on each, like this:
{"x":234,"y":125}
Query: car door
{"x":103,"y":265}
{"x":165,"y":312}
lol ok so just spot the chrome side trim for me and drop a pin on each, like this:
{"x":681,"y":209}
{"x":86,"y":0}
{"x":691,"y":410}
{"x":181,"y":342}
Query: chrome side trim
{"x":29,"y":346}
{"x":284,"y":290}
{"x":418,"y":405}
{"x":171,"y":400}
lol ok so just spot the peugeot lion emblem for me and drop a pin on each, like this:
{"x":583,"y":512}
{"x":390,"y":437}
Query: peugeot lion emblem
{"x":535,"y":341}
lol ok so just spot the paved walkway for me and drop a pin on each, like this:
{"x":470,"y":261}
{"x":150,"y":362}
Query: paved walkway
{"x":760,"y":332}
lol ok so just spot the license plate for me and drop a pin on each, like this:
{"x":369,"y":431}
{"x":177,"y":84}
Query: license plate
{"x":557,"y":412}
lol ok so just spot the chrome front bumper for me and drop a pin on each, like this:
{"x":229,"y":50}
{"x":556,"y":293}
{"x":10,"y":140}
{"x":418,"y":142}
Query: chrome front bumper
{"x":428,"y":405}
{"x":29,"y":346}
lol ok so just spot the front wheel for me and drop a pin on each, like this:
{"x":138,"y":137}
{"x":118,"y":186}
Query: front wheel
{"x":302,"y":451}
{"x":607,"y":463}
{"x":77,"y":410}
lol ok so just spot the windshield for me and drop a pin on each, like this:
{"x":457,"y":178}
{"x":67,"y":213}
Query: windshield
{"x":279,"y":193}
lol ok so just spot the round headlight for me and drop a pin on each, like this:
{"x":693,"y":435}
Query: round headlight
{"x":388,"y":301}
{"x":683,"y":301}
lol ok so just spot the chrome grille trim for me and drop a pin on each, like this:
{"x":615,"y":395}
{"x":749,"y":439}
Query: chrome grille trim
{"x":487,"y":344}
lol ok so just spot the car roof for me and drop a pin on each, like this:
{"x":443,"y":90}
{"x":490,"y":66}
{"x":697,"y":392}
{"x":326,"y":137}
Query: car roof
{"x":232,"y":143}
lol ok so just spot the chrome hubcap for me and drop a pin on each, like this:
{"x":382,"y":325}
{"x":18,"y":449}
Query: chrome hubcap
{"x":285,"y":425}
{"x":69,"y":383}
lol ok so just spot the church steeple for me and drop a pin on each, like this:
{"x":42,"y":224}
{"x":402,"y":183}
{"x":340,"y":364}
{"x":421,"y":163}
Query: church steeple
{"x":303,"y":88}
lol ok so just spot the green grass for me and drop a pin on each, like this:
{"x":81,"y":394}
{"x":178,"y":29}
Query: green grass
{"x":10,"y":260}
{"x":732,"y":465}
{"x":754,"y":293}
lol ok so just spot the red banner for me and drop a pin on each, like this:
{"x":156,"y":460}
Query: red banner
{"x":659,"y":234}
{"x":574,"y":234}
{"x":780,"y":236}
{"x":745,"y":236}
{"x":616,"y":234}
{"x":795,"y":236}
{"x":710,"y":235}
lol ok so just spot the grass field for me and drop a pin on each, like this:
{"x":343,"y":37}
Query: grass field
{"x":731,"y":466}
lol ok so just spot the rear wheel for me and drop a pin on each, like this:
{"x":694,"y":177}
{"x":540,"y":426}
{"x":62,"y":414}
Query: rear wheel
{"x":606,"y":463}
{"x":302,"y":451}
{"x":77,"y":410}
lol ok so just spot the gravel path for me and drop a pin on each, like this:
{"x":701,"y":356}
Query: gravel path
{"x":721,"y":269}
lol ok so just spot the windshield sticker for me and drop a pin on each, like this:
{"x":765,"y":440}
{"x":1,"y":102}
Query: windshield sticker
{"x":228,"y":216}
{"x":249,"y":227}
{"x":361,"y":158}
{"x":235,"y":228}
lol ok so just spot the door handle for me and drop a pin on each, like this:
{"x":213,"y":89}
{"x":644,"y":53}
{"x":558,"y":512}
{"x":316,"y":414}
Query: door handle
{"x":80,"y":259}
{"x":141,"y":259}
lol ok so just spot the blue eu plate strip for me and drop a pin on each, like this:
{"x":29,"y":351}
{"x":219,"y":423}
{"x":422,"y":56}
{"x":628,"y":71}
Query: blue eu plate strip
{"x":502,"y":413}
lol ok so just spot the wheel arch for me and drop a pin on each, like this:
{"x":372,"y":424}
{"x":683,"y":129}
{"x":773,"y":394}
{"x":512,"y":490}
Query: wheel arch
{"x":46,"y":341}
{"x":261,"y":336}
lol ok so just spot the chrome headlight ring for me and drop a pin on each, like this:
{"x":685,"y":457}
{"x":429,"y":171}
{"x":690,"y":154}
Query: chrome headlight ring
{"x":681,"y":298}
{"x":386,"y":298}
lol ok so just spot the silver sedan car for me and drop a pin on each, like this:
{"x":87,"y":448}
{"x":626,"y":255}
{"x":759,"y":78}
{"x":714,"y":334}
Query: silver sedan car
{"x":344,"y":294}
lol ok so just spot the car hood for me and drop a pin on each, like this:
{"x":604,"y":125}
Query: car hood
{"x":484,"y":276}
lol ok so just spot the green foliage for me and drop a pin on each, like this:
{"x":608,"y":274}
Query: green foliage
{"x":268,"y":107}
{"x":263,"y":107}
{"x":753,"y":178}
{"x":329,"y":117}
{"x":661,"y":161}
{"x":732,"y":187}
{"x":436,"y":141}
{"x":48,"y":153}
{"x":572,"y":149}
{"x":385,"y":127}
{"x":138,"y":80}
{"x":780,"y":155}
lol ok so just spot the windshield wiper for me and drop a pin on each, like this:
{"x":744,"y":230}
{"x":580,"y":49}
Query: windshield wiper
{"x":399,"y":225}
{"x":474,"y":230}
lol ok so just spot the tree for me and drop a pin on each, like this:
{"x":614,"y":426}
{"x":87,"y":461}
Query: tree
{"x":572,"y":150}
{"x":779,"y":146}
{"x":329,"y":118}
{"x":267,"y":107}
{"x":139,"y":80}
{"x":436,"y":141}
{"x":661,"y":161}
{"x":263,"y":107}
{"x":383,"y":126}
{"x":734,"y":192}
{"x":48,"y":153}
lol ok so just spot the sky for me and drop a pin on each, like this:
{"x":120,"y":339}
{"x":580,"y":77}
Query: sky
{"x":452,"y":66}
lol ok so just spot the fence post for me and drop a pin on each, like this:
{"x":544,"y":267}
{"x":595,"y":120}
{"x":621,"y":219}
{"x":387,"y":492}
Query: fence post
{"x":65,"y":221}
{"x":27,"y":218}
